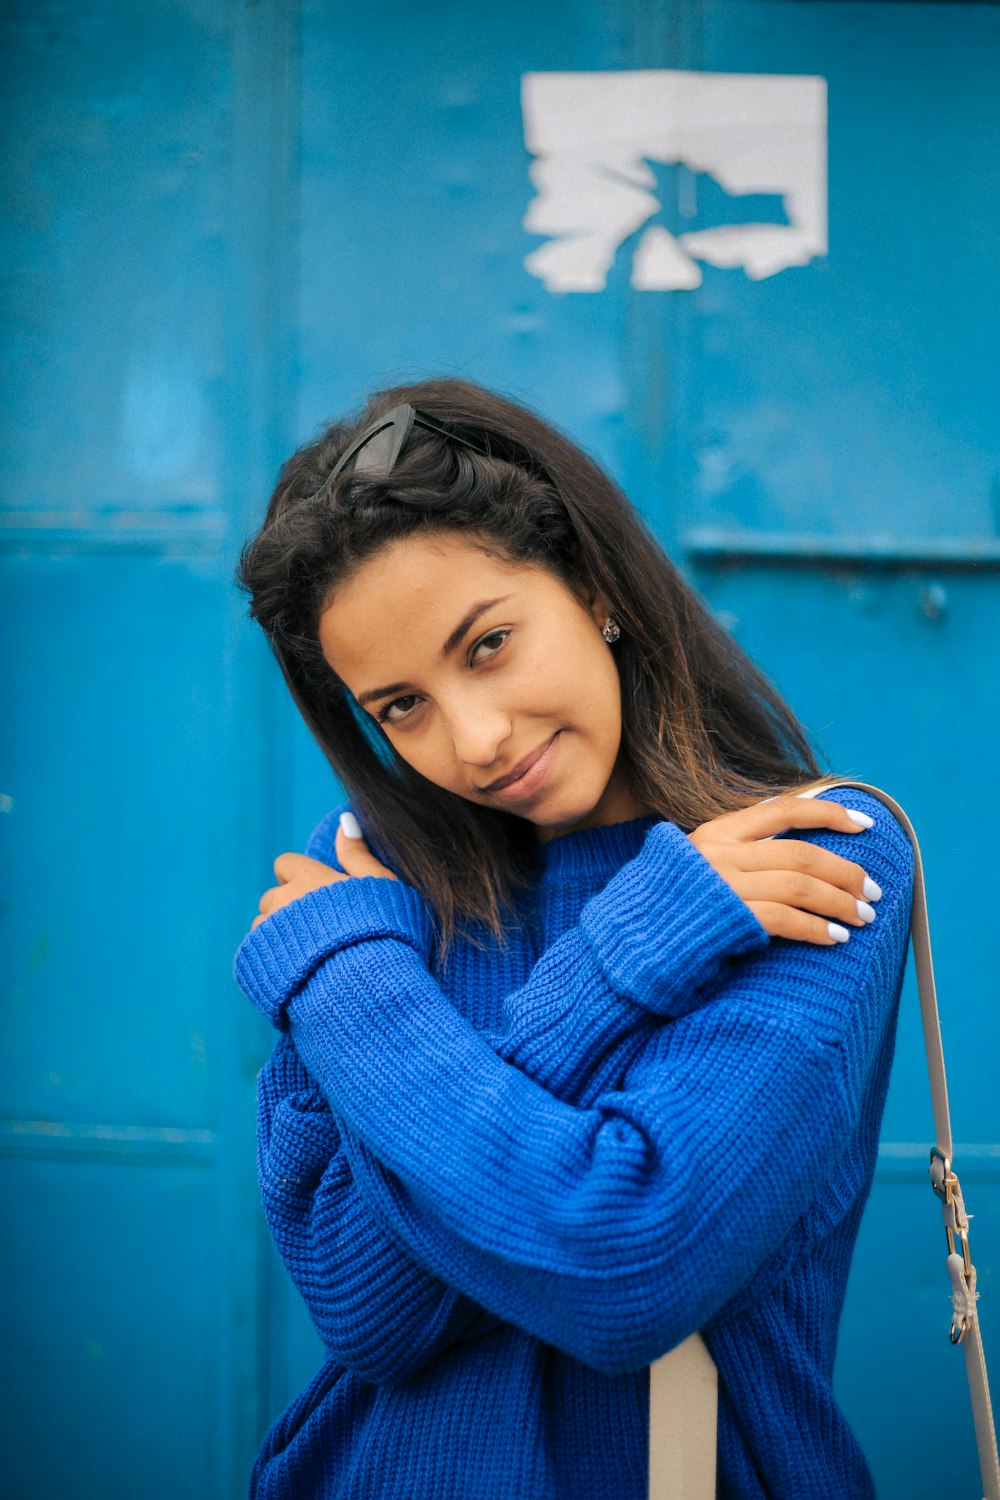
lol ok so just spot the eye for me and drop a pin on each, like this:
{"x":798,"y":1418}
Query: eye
{"x":492,"y":642}
{"x":386,"y":715}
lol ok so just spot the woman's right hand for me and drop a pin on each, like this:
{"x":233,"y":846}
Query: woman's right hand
{"x":792,"y":888}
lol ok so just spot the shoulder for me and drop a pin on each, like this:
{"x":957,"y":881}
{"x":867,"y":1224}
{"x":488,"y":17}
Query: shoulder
{"x":873,"y":960}
{"x":821,"y":1002}
{"x":322,"y":843}
{"x":886,"y":843}
{"x":323,"y":839}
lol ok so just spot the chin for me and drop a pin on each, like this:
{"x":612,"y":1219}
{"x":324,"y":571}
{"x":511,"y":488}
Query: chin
{"x":558,"y":819}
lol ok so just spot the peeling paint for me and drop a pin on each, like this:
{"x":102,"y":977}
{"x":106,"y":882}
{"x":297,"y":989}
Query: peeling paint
{"x":594,"y":134}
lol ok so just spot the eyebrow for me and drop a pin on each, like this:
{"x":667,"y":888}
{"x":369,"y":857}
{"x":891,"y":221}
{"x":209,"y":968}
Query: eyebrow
{"x":455,"y":639}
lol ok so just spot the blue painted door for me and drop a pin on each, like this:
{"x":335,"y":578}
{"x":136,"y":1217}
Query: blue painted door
{"x":227,"y":224}
{"x":141,"y":430}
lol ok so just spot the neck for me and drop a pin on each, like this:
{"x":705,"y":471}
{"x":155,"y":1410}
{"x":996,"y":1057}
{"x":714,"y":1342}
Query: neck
{"x":617,"y":804}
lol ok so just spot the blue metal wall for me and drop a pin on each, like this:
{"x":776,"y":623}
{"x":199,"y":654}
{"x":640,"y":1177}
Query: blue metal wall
{"x":225,"y":224}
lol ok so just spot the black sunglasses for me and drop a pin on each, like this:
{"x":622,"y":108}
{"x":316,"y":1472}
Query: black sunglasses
{"x":379,"y":446}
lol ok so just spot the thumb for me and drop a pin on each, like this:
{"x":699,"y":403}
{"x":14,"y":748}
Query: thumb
{"x":354,"y":853}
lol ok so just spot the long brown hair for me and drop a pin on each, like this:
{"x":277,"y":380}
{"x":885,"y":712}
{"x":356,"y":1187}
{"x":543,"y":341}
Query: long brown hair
{"x":703,"y":731}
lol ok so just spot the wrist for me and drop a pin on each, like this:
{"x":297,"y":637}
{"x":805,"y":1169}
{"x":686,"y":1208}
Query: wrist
{"x":277,"y":957}
{"x":666,"y":923}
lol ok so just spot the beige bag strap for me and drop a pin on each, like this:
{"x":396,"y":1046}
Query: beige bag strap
{"x":683,"y":1385}
{"x":683,"y":1411}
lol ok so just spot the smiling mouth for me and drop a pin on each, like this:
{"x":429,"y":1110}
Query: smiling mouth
{"x":521,"y":769}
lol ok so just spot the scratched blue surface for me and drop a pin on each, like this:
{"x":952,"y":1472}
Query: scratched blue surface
{"x":225,"y":225}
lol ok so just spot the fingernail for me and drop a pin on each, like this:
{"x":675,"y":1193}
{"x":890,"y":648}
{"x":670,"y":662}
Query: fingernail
{"x":866,"y":912}
{"x":838,"y":933}
{"x":350,"y":826}
{"x":870,"y":890}
{"x":862,"y":819}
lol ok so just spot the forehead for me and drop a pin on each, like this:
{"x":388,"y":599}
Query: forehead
{"x":433,"y":572}
{"x":422,"y":564}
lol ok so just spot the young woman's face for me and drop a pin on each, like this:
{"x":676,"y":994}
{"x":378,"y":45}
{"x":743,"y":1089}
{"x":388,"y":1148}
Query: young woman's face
{"x":492,"y":679}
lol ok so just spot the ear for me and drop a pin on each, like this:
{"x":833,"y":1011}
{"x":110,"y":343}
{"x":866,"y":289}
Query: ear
{"x":592,"y":600}
{"x":599,"y":608}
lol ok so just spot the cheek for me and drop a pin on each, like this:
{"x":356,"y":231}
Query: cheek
{"x":599,"y":688}
{"x":564,"y":670}
{"x":432,"y":754}
{"x":604,"y":710}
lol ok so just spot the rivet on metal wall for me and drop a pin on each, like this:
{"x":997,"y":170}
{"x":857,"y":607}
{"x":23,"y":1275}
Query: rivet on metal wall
{"x":933,"y":600}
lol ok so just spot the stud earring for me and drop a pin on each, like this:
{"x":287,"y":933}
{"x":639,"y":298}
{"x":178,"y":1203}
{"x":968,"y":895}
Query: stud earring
{"x":612,"y":630}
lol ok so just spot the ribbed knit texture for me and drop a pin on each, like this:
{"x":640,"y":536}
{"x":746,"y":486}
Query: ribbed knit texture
{"x":505,"y":1187}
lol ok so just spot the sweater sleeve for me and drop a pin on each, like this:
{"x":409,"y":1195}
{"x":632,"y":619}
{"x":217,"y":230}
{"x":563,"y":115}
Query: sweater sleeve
{"x":353,"y":1274}
{"x":669,"y":890}
{"x":377,"y":1308}
{"x":587,"y":1225}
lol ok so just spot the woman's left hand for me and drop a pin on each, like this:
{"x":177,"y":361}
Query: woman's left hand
{"x":298,"y":874}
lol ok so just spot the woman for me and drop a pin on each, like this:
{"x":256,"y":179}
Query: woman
{"x":580,"y":1050}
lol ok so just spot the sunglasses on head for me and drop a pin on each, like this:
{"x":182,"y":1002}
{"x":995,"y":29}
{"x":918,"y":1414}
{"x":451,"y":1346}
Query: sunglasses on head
{"x":377,"y":449}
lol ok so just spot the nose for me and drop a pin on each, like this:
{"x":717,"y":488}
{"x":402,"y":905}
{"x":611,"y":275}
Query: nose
{"x":479,"y":731}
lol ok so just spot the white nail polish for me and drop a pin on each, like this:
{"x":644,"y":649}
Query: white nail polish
{"x":838,"y":933}
{"x":871,"y":891}
{"x":866,"y":912}
{"x":351,"y":826}
{"x":862,"y":819}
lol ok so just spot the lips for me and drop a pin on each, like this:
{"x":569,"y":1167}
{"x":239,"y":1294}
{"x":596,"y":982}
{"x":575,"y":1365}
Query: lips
{"x":521,"y":769}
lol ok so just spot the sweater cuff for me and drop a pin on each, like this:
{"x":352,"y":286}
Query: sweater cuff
{"x":278,"y":955}
{"x":666,"y":923}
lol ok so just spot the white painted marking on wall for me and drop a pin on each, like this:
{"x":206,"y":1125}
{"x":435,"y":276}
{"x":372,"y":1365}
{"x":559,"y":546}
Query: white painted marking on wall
{"x":660,"y":262}
{"x":594,"y":134}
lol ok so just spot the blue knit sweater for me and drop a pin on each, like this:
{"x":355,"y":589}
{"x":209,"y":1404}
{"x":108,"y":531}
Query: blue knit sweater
{"x":505,"y":1187}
